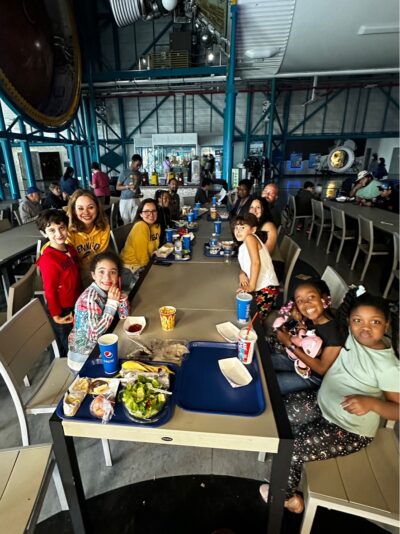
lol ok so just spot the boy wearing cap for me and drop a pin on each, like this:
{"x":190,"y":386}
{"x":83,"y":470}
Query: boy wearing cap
{"x":29,"y":207}
{"x":366,"y":187}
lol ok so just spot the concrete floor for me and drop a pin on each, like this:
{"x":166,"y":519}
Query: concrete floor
{"x":138,"y":462}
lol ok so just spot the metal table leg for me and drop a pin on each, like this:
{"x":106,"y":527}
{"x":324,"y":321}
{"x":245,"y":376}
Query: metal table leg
{"x":64,"y":451}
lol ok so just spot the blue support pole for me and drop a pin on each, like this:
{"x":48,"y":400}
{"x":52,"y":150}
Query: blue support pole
{"x":79,"y":160}
{"x":9,"y":161}
{"x":30,"y":175}
{"x":249,"y":108}
{"x":230,"y":101}
{"x":93,"y":134}
{"x":271,"y":119}
{"x":87,"y":164}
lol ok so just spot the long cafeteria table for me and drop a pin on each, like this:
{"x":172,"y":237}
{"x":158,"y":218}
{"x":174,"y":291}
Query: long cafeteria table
{"x":204,"y":295}
{"x":381,"y":219}
{"x":15,"y":244}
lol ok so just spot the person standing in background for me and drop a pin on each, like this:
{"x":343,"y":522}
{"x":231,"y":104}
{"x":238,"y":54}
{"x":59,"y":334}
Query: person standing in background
{"x":166,"y":167}
{"x":175,"y":201}
{"x":128,"y":183}
{"x":381,"y":171}
{"x":100,"y":184}
{"x":373,"y":164}
{"x":68,"y":183}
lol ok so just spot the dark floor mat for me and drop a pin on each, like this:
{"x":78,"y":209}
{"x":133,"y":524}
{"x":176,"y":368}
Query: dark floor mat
{"x":194,"y":505}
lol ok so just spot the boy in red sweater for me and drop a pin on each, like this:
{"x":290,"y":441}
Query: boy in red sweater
{"x":59,"y":268}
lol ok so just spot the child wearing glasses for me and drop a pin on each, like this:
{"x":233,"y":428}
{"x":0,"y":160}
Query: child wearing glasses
{"x":144,"y":238}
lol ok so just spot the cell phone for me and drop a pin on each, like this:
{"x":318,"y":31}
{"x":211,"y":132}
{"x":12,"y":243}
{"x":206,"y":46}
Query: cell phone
{"x":164,"y":263}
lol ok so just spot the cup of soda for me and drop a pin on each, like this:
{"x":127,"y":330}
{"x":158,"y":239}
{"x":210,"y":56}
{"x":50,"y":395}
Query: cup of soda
{"x":108,"y":344}
{"x":197,"y":205}
{"x":214,"y":201}
{"x":196,"y":213}
{"x":169,"y":232}
{"x":217,"y":227}
{"x":186,"y":242}
{"x":243,"y":301}
{"x":190,"y":217}
{"x":246,"y":343}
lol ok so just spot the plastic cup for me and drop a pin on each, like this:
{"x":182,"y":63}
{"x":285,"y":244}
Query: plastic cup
{"x":214,"y":201}
{"x":197,"y":205}
{"x":246,"y":345}
{"x":108,"y":345}
{"x":186,"y":242}
{"x":243,"y":301}
{"x":123,"y":307}
{"x":167,"y":318}
{"x":190,"y":217}
{"x":217,"y":227}
{"x":169,"y":232}
{"x":196,"y":213}
{"x":213,"y":213}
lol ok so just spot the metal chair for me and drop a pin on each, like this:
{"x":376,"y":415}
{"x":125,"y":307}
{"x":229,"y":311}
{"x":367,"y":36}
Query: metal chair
{"x":23,"y":340}
{"x":119,"y":236}
{"x":290,"y":251}
{"x":395,"y":266}
{"x":366,"y":244}
{"x":293,"y":213}
{"x":339,"y":230}
{"x":318,"y":219}
{"x":337,"y":286}
{"x":114,"y":215}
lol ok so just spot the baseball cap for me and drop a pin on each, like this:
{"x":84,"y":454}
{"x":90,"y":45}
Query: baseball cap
{"x":32,"y":189}
{"x":363,"y":174}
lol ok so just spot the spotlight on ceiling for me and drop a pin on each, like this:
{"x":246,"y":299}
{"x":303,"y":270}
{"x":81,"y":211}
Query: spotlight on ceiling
{"x":210,"y":57}
{"x":262,"y":53}
{"x":205,"y":36}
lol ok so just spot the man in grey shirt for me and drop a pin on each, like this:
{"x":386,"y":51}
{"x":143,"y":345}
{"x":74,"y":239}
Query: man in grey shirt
{"x":129,"y":184}
{"x":29,"y":207}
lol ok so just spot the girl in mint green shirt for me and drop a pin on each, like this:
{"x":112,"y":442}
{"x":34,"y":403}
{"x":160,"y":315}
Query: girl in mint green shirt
{"x":360,"y":387}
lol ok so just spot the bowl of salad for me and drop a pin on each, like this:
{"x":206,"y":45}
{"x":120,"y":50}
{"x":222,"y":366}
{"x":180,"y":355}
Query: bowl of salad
{"x":145,"y":399}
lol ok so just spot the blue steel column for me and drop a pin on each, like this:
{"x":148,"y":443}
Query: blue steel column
{"x":8,"y":160}
{"x":30,"y":175}
{"x":230,"y":102}
{"x":271,"y":119}
{"x":79,"y":160}
{"x":249,"y":108}
{"x":87,"y":164}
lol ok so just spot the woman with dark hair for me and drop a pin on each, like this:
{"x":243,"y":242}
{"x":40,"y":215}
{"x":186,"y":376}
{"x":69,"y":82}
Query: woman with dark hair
{"x":381,"y":171}
{"x":260,"y":208}
{"x":162,"y":199}
{"x":68,"y":183}
{"x":144,"y":238}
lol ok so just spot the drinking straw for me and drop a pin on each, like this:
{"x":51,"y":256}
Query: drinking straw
{"x":250,"y":325}
{"x":119,"y":283}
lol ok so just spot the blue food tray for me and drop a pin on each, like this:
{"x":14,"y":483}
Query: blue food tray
{"x":171,"y":258}
{"x":93,"y":368}
{"x":203,"y":388}
{"x":220,"y":255}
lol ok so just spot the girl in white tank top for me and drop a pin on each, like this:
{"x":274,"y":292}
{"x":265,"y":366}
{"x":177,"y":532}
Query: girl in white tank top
{"x":257,"y":275}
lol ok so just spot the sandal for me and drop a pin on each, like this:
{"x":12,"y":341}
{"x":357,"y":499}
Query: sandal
{"x":295,"y":504}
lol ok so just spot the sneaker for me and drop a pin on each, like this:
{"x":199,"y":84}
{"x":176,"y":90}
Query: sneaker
{"x":264,"y":491}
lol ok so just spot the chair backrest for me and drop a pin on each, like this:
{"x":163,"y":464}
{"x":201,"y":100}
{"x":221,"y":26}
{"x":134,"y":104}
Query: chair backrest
{"x":290,"y":251}
{"x":4,"y":225}
{"x":114,"y":214}
{"x":396,"y":255}
{"x":338,"y":287}
{"x":338,"y":219}
{"x":317,"y":209}
{"x":292,"y":205}
{"x":365,"y":230}
{"x":23,"y":339}
{"x":15,"y":213}
{"x":21,"y":292}
{"x":119,"y":235}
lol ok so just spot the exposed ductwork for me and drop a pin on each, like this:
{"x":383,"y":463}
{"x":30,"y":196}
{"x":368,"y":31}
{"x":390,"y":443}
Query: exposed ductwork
{"x":129,"y":11}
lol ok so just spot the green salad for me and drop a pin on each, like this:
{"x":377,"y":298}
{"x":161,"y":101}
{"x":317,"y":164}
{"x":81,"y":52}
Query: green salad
{"x":141,"y":400}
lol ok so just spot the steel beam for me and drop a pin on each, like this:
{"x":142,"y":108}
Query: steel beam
{"x":8,"y":159}
{"x":220,"y":113}
{"x":30,"y":174}
{"x":147,"y":117}
{"x":154,"y":41}
{"x":390,"y":98}
{"x":230,"y":102}
{"x":316,"y":110}
{"x":271,"y":118}
{"x":156,"y":73}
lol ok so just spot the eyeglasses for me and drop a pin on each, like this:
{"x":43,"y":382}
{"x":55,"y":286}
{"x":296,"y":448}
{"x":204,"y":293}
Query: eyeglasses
{"x":149,"y":212}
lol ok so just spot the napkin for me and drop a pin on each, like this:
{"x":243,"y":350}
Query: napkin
{"x":235,"y":372}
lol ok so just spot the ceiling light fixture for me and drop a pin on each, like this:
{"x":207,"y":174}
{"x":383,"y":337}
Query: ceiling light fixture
{"x":262,"y":53}
{"x":210,"y":57}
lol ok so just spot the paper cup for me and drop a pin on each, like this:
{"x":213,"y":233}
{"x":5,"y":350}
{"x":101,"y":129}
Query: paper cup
{"x":123,"y":307}
{"x":217,"y":227}
{"x":169,"y":232}
{"x":246,"y":346}
{"x":167,"y":318}
{"x":186,"y":242}
{"x":243,"y":301}
{"x":108,"y":345}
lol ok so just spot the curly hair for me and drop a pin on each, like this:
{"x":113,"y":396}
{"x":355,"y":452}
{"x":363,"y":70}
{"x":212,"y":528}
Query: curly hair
{"x":75,"y":225}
